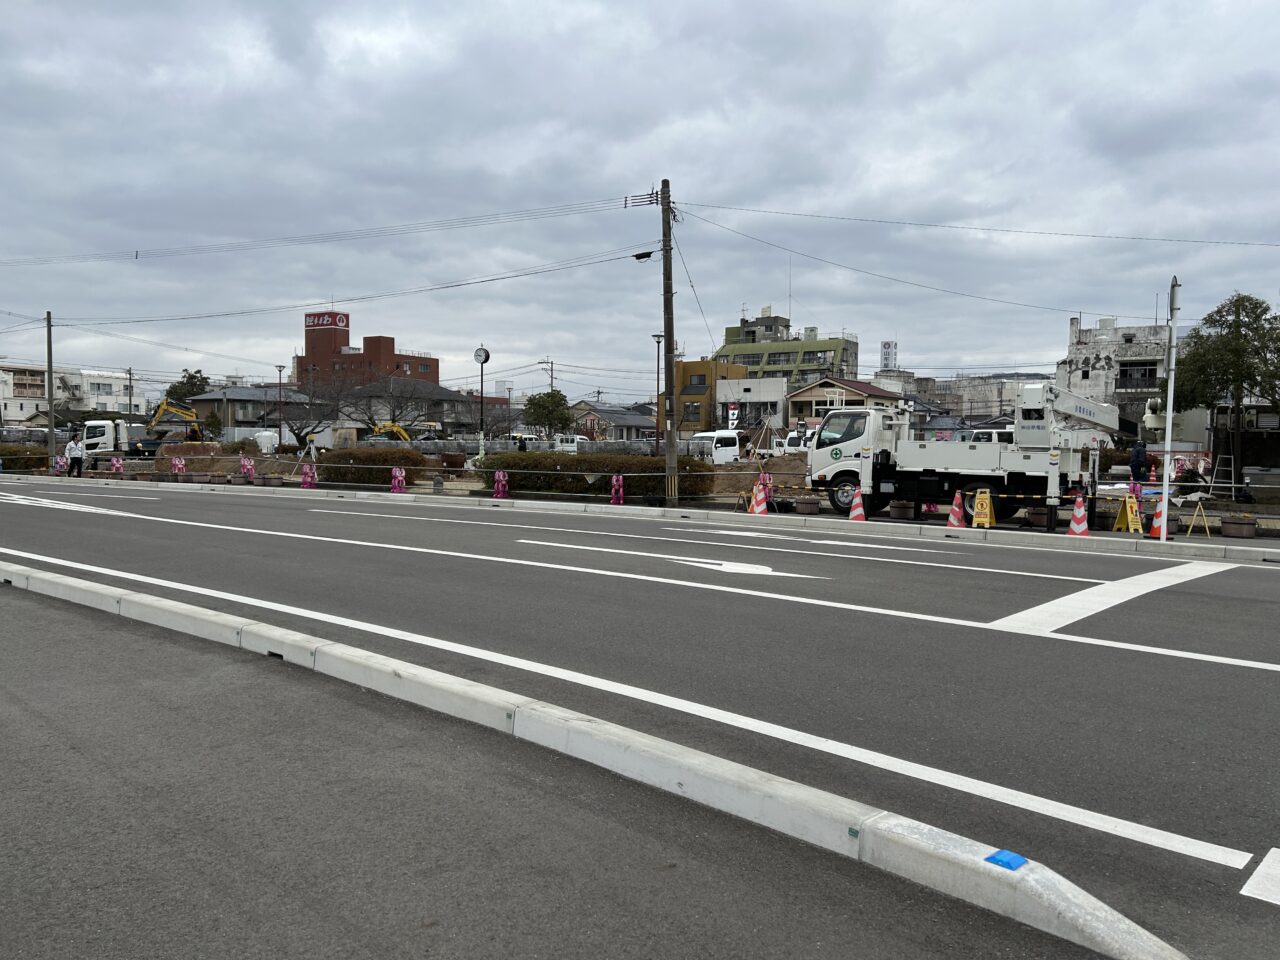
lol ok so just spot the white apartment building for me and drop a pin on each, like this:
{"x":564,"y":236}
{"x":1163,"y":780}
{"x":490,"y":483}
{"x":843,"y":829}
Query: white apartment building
{"x":24,"y":401}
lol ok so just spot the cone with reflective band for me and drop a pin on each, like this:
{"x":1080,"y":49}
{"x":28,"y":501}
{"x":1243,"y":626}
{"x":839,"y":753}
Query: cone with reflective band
{"x":1079,"y":520}
{"x":956,"y":518}
{"x":1157,"y":522}
{"x":758,"y":502}
{"x":855,"y":509}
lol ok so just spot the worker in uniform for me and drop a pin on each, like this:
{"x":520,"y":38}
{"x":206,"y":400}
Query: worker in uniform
{"x":74,"y":452}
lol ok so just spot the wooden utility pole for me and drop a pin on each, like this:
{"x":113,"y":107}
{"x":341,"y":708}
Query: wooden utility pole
{"x":1237,"y":412}
{"x":669,"y":337}
{"x":48,"y":363}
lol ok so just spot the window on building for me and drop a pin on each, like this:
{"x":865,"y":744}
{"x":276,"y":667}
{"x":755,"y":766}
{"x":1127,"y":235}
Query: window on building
{"x":697,"y":379}
{"x":752,"y":375}
{"x":817,"y":356}
{"x":424,"y":368}
{"x":750,"y":359}
{"x":1136,"y":373}
{"x":692,"y":411}
{"x":100,"y":389}
{"x":1084,"y":374}
{"x":781,"y":359}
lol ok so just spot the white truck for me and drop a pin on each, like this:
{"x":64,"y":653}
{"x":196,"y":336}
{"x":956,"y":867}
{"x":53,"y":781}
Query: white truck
{"x":872,"y":450}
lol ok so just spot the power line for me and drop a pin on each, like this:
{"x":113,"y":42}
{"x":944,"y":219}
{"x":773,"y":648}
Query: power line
{"x":959,"y":226}
{"x":364,"y":233}
{"x":696,"y":298}
{"x":587,"y":260}
{"x":171,"y":346}
{"x":913,"y":283}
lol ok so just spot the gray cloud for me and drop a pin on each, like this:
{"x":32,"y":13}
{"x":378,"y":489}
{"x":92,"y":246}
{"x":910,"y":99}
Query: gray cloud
{"x":135,"y":125}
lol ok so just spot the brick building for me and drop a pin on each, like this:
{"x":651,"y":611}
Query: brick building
{"x":327,"y":353}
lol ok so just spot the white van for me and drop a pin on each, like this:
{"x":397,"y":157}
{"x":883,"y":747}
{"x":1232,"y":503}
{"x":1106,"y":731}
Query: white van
{"x":725,"y":445}
{"x":568,"y":443}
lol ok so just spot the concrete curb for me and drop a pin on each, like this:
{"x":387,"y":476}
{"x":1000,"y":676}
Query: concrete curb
{"x":1182,"y":548}
{"x":996,"y":880}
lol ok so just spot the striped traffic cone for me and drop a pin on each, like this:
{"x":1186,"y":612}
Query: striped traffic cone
{"x":1079,"y":520}
{"x":956,"y":517}
{"x":855,"y":509}
{"x":758,"y":502}
{"x":1157,"y":522}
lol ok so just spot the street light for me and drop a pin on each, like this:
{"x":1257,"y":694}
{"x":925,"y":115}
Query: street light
{"x":657,"y":399}
{"x":1172,"y":368}
{"x":481,"y":356}
{"x":280,"y":403}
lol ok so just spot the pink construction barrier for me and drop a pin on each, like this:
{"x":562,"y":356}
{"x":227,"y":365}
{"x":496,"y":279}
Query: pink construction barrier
{"x":500,"y":489}
{"x":308,"y":476}
{"x":397,"y":480}
{"x":246,"y":466}
{"x":615,"y":490}
{"x":177,"y":465}
{"x":117,"y":465}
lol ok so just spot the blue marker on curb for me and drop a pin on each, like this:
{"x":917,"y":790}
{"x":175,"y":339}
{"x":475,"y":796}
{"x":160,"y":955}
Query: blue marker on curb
{"x":1007,"y":859}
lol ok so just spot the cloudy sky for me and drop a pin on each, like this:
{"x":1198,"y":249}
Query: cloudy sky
{"x":146,"y":126}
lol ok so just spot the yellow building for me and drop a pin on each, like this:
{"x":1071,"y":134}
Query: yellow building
{"x":695,"y":392}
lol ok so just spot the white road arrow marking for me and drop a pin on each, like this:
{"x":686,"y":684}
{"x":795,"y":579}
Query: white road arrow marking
{"x":820,"y":543}
{"x":722,"y":566}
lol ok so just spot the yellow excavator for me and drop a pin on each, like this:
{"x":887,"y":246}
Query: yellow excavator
{"x":173,"y":408}
{"x":393,"y":430}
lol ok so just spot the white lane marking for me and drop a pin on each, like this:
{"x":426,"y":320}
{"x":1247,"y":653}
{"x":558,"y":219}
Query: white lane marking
{"x":23,"y":500}
{"x":1077,"y":606}
{"x":1265,"y":882}
{"x":757,"y":535}
{"x":1141,"y":833}
{"x":721,"y":566}
{"x":694,"y":585}
{"x":107,"y":496}
{"x":712,"y":543}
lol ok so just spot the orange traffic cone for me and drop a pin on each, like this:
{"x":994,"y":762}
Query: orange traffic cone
{"x":855,"y":509}
{"x":1152,"y":478}
{"x":956,"y":518}
{"x":758,"y":502}
{"x":1079,"y":520}
{"x":1157,"y":522}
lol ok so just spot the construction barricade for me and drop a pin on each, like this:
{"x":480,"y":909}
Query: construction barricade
{"x":397,"y":480}
{"x":308,"y":476}
{"x":501,"y":487}
{"x":615,"y":490}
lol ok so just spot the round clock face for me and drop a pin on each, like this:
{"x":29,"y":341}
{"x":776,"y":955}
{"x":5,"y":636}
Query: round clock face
{"x":481,"y":355}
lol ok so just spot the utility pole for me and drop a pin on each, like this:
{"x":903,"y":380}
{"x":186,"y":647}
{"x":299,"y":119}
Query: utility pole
{"x":1237,"y":416}
{"x":48,"y":363}
{"x":669,"y":335}
{"x":280,"y":404}
{"x":130,"y":418}
{"x":1171,"y":369}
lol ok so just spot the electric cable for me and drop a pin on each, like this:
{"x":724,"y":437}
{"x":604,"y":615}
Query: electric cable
{"x":913,"y":283}
{"x":959,"y":226}
{"x":364,"y":233}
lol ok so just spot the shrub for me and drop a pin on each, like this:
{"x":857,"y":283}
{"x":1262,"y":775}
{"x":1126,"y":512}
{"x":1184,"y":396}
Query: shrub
{"x":370,"y":465}
{"x":241,"y":447}
{"x":563,"y":473}
{"x":21,"y":456}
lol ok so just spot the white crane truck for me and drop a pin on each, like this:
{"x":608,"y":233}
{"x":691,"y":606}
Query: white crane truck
{"x":871,"y":449}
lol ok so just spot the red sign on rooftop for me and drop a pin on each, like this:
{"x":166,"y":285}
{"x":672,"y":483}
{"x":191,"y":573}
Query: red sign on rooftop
{"x":330,"y":319}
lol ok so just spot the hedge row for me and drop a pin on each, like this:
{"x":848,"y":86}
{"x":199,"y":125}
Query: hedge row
{"x":563,"y":473}
{"x":370,"y":466}
{"x":22,"y":456}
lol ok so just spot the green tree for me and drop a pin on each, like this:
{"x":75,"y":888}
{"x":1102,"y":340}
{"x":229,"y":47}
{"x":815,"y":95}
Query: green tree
{"x":1234,"y":353}
{"x":192,"y":383}
{"x":548,"y":411}
{"x":213,"y":424}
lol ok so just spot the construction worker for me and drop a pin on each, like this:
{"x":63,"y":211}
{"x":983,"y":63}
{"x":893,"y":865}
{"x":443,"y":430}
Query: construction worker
{"x":1138,"y":462}
{"x":74,"y":452}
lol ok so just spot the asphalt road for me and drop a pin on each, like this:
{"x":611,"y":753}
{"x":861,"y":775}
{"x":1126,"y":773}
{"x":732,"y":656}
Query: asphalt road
{"x":168,"y":797}
{"x":1111,"y":716}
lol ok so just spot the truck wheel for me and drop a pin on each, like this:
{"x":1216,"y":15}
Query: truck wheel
{"x":840,"y":493}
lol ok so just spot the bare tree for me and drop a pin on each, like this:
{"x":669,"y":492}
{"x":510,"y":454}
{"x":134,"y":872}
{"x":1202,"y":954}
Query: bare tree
{"x":399,"y":400}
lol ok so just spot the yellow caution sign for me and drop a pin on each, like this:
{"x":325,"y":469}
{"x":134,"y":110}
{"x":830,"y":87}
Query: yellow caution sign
{"x":1129,"y":519}
{"x":982,"y":508}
